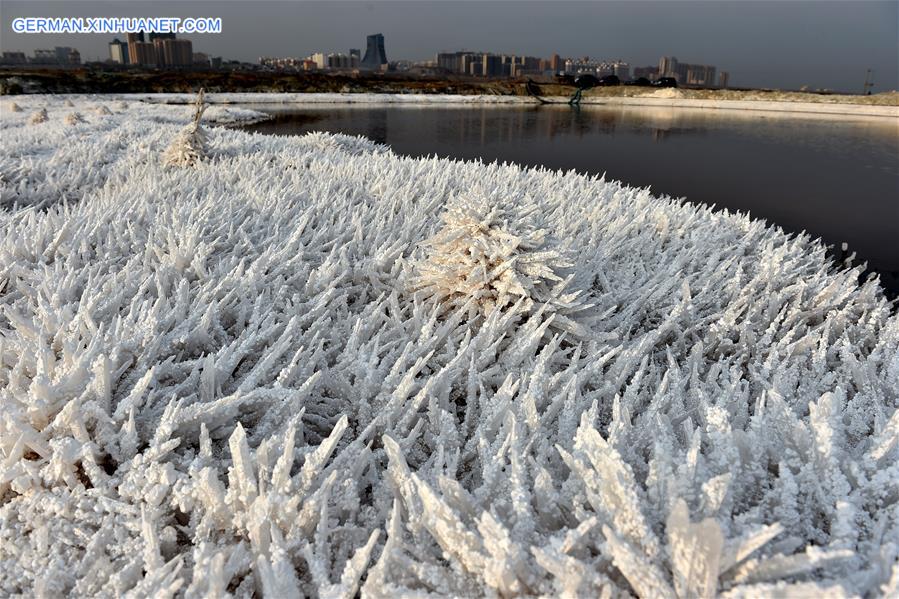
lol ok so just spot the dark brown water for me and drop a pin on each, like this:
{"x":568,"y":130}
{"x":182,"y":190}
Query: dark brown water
{"x":836,"y":179}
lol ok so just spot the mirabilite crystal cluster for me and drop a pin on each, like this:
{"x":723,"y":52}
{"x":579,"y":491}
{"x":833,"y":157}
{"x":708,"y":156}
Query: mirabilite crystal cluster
{"x":495,"y":256}
{"x":190,"y":145}
{"x":256,"y":377}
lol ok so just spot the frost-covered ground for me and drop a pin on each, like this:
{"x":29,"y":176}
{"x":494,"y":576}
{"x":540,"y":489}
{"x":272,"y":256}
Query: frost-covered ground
{"x":308,"y":366}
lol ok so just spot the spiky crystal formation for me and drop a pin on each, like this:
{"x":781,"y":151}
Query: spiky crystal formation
{"x":493,"y":255}
{"x":221,"y":384}
{"x":74,"y":118}
{"x":39,"y":116}
{"x":191,"y":144}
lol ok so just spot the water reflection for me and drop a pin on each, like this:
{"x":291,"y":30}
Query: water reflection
{"x":835,"y":179}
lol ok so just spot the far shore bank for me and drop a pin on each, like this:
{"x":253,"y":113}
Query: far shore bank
{"x":654,"y":99}
{"x":254,"y":86}
{"x":816,"y":108}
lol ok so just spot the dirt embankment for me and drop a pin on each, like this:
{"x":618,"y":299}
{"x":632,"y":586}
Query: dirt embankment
{"x":890,"y":98}
{"x":85,"y":80}
{"x":93,"y":80}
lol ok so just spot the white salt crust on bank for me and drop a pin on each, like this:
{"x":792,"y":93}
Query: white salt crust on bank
{"x":310,"y":367}
{"x":771,"y":105}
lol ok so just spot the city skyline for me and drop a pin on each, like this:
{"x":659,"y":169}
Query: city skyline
{"x":787,"y":45}
{"x":167,"y":51}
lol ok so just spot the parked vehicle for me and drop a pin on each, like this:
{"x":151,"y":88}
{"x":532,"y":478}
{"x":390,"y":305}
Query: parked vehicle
{"x":640,"y":82}
{"x":665,"y":82}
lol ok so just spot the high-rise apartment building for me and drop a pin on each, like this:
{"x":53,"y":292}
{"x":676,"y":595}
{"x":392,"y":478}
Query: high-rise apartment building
{"x":14,"y":58}
{"x":491,"y":65}
{"x":133,"y":39}
{"x":454,"y":62}
{"x":461,"y":62}
{"x":162,"y":50}
{"x":375,"y":56}
{"x":448,"y":61}
{"x":555,"y":63}
{"x":63,"y":54}
{"x":118,"y":51}
{"x":699,"y":75}
{"x":526,"y":65}
{"x":341,"y":61}
{"x":668,"y":66}
{"x":44,"y":56}
{"x":171,"y":52}
{"x":723,"y":79}
{"x":622,"y":70}
{"x":142,"y":53}
{"x":465,"y":62}
{"x":159,"y":47}
{"x":58,"y":55}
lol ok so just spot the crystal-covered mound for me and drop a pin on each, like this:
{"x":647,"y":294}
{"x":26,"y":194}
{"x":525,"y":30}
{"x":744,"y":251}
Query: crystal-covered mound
{"x":311,"y":367}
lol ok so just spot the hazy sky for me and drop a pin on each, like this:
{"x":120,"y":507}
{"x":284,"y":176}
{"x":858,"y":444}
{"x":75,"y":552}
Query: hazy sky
{"x":776,"y":44}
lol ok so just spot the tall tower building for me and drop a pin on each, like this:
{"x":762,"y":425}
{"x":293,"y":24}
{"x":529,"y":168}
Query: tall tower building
{"x":173,"y":52}
{"x":723,"y":79}
{"x":133,"y":39}
{"x":144,"y":54}
{"x":465,"y":63}
{"x":159,"y":41}
{"x":491,"y":65}
{"x":374,"y":53}
{"x":555,"y":63}
{"x":62,"y":54}
{"x":668,"y":66}
{"x":118,"y":51}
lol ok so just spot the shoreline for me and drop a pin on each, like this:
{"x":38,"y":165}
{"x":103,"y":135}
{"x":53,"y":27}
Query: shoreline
{"x":818,"y":109}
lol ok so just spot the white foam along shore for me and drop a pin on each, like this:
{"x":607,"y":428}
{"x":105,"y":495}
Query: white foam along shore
{"x":655,"y":99}
{"x":307,"y":366}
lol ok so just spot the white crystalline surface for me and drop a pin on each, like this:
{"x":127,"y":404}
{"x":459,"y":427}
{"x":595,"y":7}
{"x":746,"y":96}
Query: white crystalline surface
{"x":311,"y":367}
